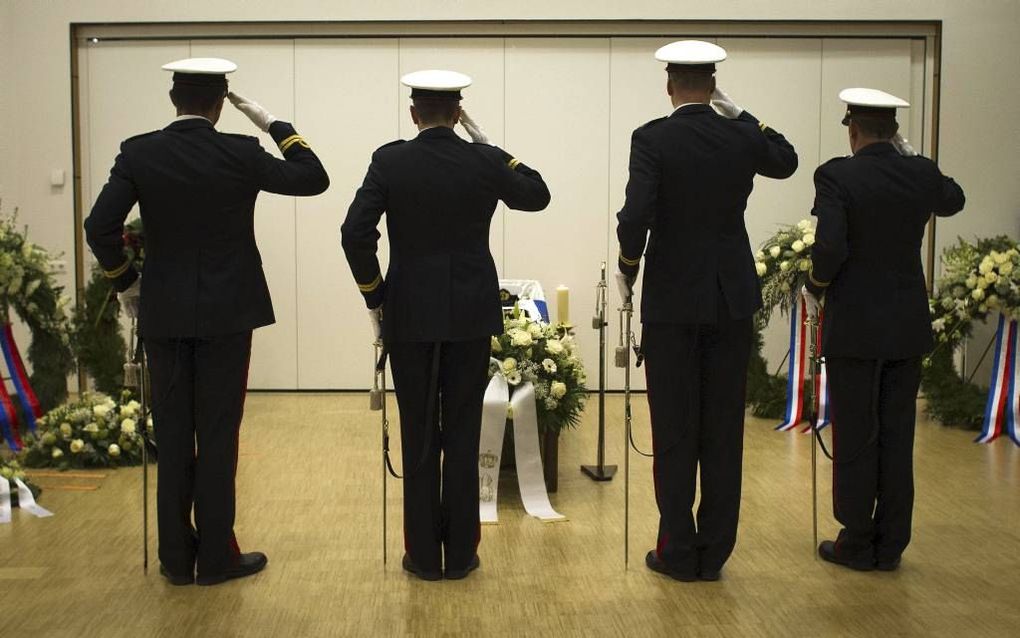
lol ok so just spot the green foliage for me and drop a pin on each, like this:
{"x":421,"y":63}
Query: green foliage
{"x":766,"y":392}
{"x":98,"y":343}
{"x":951,"y":400}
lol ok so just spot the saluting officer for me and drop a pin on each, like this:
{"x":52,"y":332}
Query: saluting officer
{"x":872,"y":208}
{"x":690,"y":176}
{"x":202,"y":294}
{"x":438,"y":306}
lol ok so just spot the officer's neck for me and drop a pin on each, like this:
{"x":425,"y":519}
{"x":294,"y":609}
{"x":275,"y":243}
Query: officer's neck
{"x":424,"y":127}
{"x":859,"y":143}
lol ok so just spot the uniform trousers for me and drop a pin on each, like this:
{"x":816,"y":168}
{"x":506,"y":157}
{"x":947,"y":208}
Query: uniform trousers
{"x":440,"y":506}
{"x":697,"y":377}
{"x":873,"y":408}
{"x":198,"y":393}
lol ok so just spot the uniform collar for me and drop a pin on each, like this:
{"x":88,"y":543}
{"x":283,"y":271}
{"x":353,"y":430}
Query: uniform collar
{"x":437,"y":132}
{"x":692,"y":108}
{"x":187,"y":123}
{"x":878,"y":148}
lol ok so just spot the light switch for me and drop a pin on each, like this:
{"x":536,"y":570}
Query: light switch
{"x":57,"y":177}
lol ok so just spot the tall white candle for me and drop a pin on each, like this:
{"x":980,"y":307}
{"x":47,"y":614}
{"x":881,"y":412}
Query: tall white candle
{"x":562,"y":304}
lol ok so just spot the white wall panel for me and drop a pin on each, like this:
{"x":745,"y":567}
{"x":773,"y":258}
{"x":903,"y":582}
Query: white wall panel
{"x":346,"y":106}
{"x":557,"y":104}
{"x":265,"y":73}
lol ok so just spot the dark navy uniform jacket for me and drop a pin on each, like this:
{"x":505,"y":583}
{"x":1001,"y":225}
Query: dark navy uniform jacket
{"x":196,"y":189}
{"x":872,"y":209}
{"x":439,"y":193}
{"x":690,"y":176}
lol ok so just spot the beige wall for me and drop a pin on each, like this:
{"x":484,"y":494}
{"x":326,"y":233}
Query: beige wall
{"x":977,"y":143}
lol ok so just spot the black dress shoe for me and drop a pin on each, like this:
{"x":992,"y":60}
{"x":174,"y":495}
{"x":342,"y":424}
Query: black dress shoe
{"x":457,"y":574}
{"x":175,"y":579}
{"x":653,"y":563}
{"x":711,"y":575}
{"x":887,"y":565}
{"x":827,"y":550}
{"x":247,"y":565}
{"x":410,"y":567}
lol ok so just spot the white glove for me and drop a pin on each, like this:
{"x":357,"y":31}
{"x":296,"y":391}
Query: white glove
{"x":130,"y":297}
{"x":812,"y":303}
{"x":375,"y":316}
{"x":478,"y":136}
{"x":625,"y":286}
{"x":258,"y":115}
{"x":725,"y":104}
{"x":903,"y":146}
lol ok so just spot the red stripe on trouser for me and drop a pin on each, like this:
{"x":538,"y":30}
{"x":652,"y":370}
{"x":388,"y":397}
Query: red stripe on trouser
{"x":234,"y":547}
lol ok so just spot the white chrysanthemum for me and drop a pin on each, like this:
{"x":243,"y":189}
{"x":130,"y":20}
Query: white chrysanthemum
{"x":558,"y":389}
{"x":797,"y":246}
{"x":100,"y":410}
{"x":760,"y":268}
{"x":774,"y":251}
{"x":513,"y":378}
{"x":549,"y":365}
{"x":997,"y":257}
{"x":535,"y":330}
{"x":986,"y":265}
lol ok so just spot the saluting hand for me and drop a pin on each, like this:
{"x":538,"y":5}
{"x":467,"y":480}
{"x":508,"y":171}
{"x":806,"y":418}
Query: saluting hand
{"x":903,"y":146}
{"x":725,"y":104}
{"x":258,"y":115}
{"x":478,"y":136}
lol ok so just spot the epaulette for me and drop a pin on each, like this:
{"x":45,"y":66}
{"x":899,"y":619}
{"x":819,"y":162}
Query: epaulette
{"x":393,"y":143}
{"x":652,"y":123}
{"x":139,"y":136}
{"x":241,"y":136}
{"x":837,"y":159}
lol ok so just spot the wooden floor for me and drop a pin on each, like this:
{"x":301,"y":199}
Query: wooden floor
{"x":309,"y":496}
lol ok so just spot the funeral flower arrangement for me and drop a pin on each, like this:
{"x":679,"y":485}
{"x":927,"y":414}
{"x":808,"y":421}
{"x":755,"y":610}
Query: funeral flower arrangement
{"x":28,"y":286}
{"x":783,"y":263}
{"x":977,"y":279}
{"x":546,"y":356}
{"x":95,"y":431}
{"x":10,"y":470}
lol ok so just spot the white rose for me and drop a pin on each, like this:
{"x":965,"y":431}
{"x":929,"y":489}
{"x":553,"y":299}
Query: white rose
{"x":57,"y":453}
{"x":804,"y":265}
{"x":999,"y":258}
{"x":535,"y":330}
{"x":513,"y":378}
{"x":1006,"y":268}
{"x":77,"y":445}
{"x":774,"y":251}
{"x":986,"y":265}
{"x":797,"y":246}
{"x":982,"y":283}
{"x":127,"y":426}
{"x":760,"y":268}
{"x":558,"y":389}
{"x":971,"y":281}
{"x":509,"y":364}
{"x":494,"y":346}
{"x":784,"y":266}
{"x":549,"y":365}
{"x":809,"y":239}
{"x":978,"y":294}
{"x":553,"y":346}
{"x":65,"y":429}
{"x":759,"y":256}
{"x":521,"y":338}
{"x":100,"y":410}
{"x":114,"y":450}
{"x":804,"y":224}
{"x":91,"y":427}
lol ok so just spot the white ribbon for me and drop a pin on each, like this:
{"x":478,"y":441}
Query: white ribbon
{"x":27,"y":502}
{"x":530,"y":478}
{"x":5,"y":501}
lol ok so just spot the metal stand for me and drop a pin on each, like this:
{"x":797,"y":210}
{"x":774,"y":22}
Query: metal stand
{"x":600,"y":471}
{"x":134,"y":378}
{"x":377,"y":402}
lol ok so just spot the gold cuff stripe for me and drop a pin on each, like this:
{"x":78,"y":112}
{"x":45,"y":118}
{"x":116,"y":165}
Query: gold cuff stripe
{"x":820,"y":284}
{"x":371,"y":286}
{"x":630,"y":262}
{"x":513,"y":163}
{"x":118,"y":271}
{"x":291,"y":141}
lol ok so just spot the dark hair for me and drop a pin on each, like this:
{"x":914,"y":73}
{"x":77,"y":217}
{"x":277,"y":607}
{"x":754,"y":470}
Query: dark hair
{"x":878,"y":127}
{"x":435,"y":110}
{"x":684,"y":80}
{"x":196,"y":99}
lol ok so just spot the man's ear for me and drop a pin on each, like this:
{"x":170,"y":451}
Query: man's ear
{"x":712,"y":89}
{"x":414,"y":115}
{"x":669,"y":87}
{"x":456,"y":116}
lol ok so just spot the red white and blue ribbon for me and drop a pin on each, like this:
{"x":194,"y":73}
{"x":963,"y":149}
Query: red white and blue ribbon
{"x":8,"y":420}
{"x":1002,"y":410}
{"x":19,"y":377}
{"x":796,"y":366}
{"x":797,"y":372}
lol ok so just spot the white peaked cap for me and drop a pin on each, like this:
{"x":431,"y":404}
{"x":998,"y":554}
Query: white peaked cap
{"x":436,"y":83}
{"x":691,"y":52}
{"x":873,"y":98}
{"x":201,"y":66}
